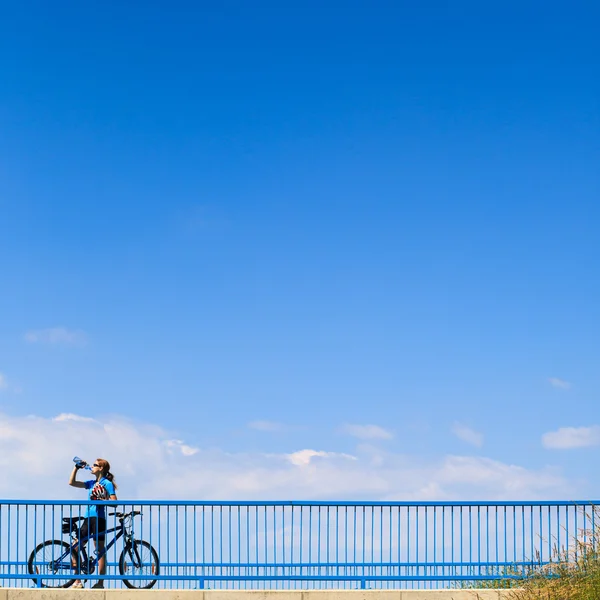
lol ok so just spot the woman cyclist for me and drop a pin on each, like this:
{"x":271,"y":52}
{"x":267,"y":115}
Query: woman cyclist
{"x":101,"y":488}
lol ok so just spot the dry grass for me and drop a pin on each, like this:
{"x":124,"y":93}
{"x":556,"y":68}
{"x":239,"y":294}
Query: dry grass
{"x":573,"y":575}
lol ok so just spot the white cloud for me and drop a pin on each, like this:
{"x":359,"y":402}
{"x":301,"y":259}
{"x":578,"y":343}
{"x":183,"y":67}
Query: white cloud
{"x":303,"y":457}
{"x":182,"y":447}
{"x":560,"y":384}
{"x":466,"y":434}
{"x":266,"y":426}
{"x":367,"y":432}
{"x":56,"y":335}
{"x":151,"y":463}
{"x":572,"y":437}
{"x":72,"y":417}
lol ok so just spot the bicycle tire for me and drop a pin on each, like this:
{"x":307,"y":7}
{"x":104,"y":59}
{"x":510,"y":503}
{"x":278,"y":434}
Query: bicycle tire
{"x":149,"y":559}
{"x":35,"y":563}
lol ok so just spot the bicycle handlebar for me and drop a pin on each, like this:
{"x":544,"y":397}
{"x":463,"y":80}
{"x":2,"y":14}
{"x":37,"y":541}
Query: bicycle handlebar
{"x":120,"y":515}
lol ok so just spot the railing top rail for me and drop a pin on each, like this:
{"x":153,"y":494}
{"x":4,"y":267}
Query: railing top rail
{"x":307,"y":503}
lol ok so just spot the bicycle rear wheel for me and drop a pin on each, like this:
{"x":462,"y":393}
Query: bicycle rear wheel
{"x":52,"y":557}
{"x":139,"y":558}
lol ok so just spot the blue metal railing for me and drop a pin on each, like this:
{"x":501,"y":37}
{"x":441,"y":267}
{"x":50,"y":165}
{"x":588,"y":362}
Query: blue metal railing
{"x":293,"y":545}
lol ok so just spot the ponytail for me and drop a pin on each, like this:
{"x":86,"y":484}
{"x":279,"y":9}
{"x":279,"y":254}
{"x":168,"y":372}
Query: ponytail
{"x":105,"y":466}
{"x":111,"y":478}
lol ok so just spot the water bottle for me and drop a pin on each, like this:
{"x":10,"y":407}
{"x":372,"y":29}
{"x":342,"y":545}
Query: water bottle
{"x":79,"y":462}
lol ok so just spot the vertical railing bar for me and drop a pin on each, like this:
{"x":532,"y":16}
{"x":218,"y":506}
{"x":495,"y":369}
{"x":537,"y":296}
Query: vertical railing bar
{"x":203,"y":548}
{"x":585,"y":528}
{"x":443,"y":534}
{"x":435,"y":542}
{"x":229,"y":532}
{"x":17,"y":549}
{"x":265,"y":539}
{"x":292,"y":537}
{"x":470,"y":534}
{"x":9,"y":544}
{"x":523,"y":533}
{"x":567,"y":518}
{"x":497,"y":557}
{"x":595,"y":537}
{"x":576,"y":512}
{"x":239,"y":535}
{"x":319,"y":534}
{"x":408,"y":534}
{"x":452,"y":518}
{"x":310,"y":533}
{"x":247,"y":535}
{"x":531,"y":533}
{"x":274,"y":535}
{"x":391,"y":543}
{"x":364,"y":525}
{"x":186,"y":543}
{"x":541,"y":533}
{"x":301,"y":535}
{"x":221,"y":508}
{"x":337,"y":535}
{"x":505,"y":536}
{"x":549,"y":531}
{"x":346,"y":534}
{"x":176,"y":540}
{"x":195,"y":537}
{"x":27,"y":527}
{"x":212,"y":534}
{"x":479,"y":534}
{"x":354,"y":512}
{"x":417,"y":533}
{"x":558,"y":528}
{"x":461,"y":533}
{"x":327,"y":538}
{"x":487,"y":534}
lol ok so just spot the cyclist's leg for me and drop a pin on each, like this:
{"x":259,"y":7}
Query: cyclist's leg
{"x":75,"y":553}
{"x":99,"y":541}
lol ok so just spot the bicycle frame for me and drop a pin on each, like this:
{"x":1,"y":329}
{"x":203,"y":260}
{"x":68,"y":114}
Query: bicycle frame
{"x":80,"y":545}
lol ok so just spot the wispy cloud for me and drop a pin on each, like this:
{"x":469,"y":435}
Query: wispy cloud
{"x":367,"y":432}
{"x":466,"y":434}
{"x":572,"y":437}
{"x":303,"y":457}
{"x":560,"y":384}
{"x":3,"y":382}
{"x":72,"y":417}
{"x":266,"y":425}
{"x":151,"y":463}
{"x":180,"y":446}
{"x":56,"y":336}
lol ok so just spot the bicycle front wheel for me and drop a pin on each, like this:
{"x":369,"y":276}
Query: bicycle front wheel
{"x":139,"y":559}
{"x":53,"y":558}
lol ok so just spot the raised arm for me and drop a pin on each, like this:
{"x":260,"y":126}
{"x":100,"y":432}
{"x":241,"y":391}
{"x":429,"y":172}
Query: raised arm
{"x":73,"y":479}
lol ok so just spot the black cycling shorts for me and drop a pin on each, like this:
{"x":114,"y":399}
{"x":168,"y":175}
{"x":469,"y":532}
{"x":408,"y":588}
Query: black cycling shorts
{"x":93,"y":526}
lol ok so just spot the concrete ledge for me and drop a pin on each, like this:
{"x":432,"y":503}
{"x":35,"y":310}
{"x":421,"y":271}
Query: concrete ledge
{"x":67,"y":594}
{"x":52,"y":594}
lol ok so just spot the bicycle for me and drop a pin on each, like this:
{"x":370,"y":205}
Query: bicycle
{"x":54,"y":557}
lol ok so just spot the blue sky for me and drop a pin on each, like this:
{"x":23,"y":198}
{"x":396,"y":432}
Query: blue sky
{"x":264,"y":227}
